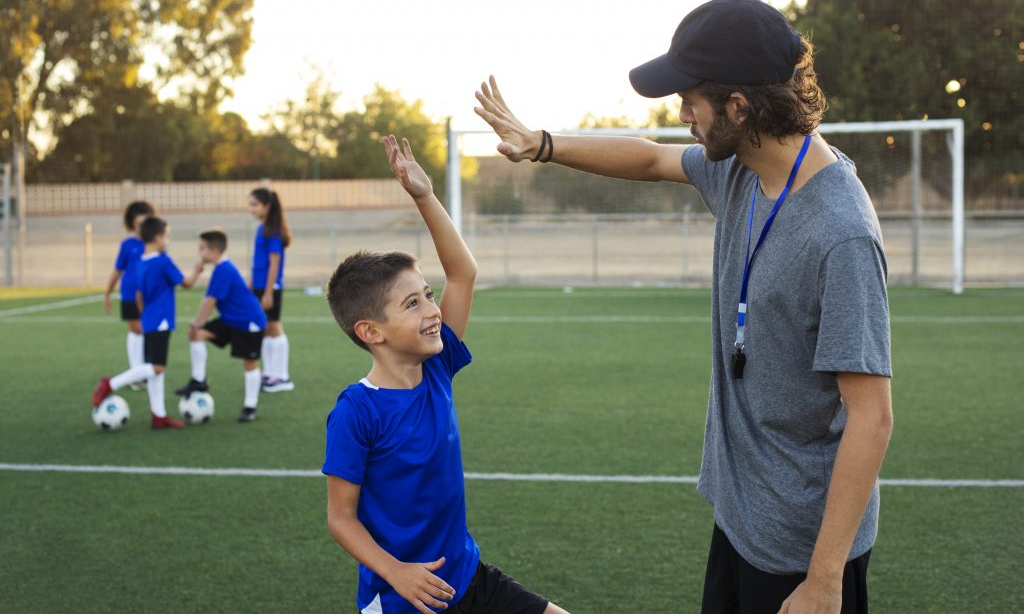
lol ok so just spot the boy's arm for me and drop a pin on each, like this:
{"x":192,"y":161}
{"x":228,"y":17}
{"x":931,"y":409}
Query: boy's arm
{"x":114,"y":276}
{"x":190,"y":281}
{"x":415,"y":582}
{"x":623,"y":157}
{"x":205,"y":309}
{"x":459,"y":266}
{"x":138,"y":299}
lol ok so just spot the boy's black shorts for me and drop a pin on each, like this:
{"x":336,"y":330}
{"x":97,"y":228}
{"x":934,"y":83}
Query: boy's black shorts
{"x":130,"y":310}
{"x":244,"y":344}
{"x":731,"y":584}
{"x":155,"y":346}
{"x":274,"y":313}
{"x":492,"y":592}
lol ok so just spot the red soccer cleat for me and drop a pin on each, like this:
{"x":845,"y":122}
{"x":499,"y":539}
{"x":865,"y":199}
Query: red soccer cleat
{"x":101,"y":391}
{"x":166,"y":422}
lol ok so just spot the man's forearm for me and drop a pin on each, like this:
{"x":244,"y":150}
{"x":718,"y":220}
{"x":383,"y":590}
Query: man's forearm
{"x":623,"y":157}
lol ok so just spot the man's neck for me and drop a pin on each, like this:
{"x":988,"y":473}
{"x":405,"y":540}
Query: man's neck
{"x":773,"y":161}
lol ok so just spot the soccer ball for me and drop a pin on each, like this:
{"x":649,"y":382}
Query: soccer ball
{"x":196,"y":408}
{"x":112,"y":413}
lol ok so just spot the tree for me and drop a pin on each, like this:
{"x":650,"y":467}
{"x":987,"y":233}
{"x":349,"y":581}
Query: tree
{"x":60,"y":56}
{"x":308,"y":122}
{"x":883,"y":60}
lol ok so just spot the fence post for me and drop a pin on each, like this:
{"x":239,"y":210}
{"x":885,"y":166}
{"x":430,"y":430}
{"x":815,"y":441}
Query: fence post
{"x":504,"y":248}
{"x":454,"y":179}
{"x":127,"y":192}
{"x":686,"y":241}
{"x":915,"y":202}
{"x":334,"y":245}
{"x":8,"y":248}
{"x":88,"y":254}
{"x":593,"y":243}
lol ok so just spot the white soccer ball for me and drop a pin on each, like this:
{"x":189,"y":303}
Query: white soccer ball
{"x":112,"y":413}
{"x":196,"y":408}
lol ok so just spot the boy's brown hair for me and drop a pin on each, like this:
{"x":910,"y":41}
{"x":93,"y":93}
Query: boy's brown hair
{"x":358,"y":289}
{"x":215,"y":238}
{"x":151,"y":228}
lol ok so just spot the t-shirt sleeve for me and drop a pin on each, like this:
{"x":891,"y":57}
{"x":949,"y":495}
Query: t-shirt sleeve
{"x":455,"y":354}
{"x":274,"y":245}
{"x":174,"y":275}
{"x":699,"y":170}
{"x":122,"y":257}
{"x":349,"y":438}
{"x":853,"y":333}
{"x":218,"y":287}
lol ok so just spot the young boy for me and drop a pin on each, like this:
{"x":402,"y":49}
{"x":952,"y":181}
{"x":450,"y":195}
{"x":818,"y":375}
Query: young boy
{"x":241,"y":323}
{"x":395,"y":489}
{"x":157,"y":277}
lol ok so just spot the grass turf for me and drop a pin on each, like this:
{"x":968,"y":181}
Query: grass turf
{"x":543,"y":395}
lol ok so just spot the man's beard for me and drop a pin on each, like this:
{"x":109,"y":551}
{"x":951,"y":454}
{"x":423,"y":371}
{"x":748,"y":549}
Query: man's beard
{"x":723,"y":138}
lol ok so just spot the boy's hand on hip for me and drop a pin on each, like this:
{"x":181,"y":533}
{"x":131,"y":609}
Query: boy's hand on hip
{"x":812,"y":597}
{"x":417,"y":584}
{"x":406,"y":170}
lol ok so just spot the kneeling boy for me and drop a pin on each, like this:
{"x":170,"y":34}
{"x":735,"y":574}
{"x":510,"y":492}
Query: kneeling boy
{"x":241,"y":323}
{"x":395,"y":487}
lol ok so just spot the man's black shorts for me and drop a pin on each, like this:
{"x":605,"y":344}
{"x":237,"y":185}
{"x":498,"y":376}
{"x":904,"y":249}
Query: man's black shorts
{"x":492,"y":592}
{"x":274,"y":313}
{"x":731,"y":584}
{"x":130,"y":310}
{"x":244,"y":344}
{"x":155,"y":346}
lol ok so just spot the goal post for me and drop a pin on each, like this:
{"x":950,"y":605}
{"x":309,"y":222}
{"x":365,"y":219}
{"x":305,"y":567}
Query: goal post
{"x":905,"y":165}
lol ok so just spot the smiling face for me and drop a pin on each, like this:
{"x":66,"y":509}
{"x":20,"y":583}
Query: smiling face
{"x":413,"y":320}
{"x":721,"y":137}
{"x":258,"y":209}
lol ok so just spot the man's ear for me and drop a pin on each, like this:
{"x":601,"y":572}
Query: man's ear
{"x":369,"y":332}
{"x":737,"y":107}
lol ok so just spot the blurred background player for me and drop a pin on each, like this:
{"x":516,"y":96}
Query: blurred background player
{"x":241,"y":323}
{"x":396,"y":430}
{"x":157,"y":277}
{"x":272,"y":237}
{"x":125,"y":270}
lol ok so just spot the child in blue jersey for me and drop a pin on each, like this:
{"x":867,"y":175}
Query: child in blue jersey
{"x":395,"y":488}
{"x":156,"y":278}
{"x":241,"y":323}
{"x":124,"y":270}
{"x":267,"y":282}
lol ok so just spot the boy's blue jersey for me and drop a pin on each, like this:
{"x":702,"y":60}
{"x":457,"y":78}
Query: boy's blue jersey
{"x":238,"y":307}
{"x":157,"y":277}
{"x":127,"y":262}
{"x":261,"y":260}
{"x":402,"y":448}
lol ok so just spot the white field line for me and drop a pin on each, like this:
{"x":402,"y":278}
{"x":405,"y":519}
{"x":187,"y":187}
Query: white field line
{"x":507,"y":477}
{"x":520,"y":319}
{"x":82,"y":300}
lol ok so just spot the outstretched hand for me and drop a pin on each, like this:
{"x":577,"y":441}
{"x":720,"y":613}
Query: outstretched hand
{"x":517,"y":141}
{"x":406,"y":170}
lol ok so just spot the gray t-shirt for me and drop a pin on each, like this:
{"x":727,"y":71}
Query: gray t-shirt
{"x":816,"y":304}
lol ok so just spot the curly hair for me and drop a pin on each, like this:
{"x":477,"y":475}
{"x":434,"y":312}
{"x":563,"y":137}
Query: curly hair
{"x":778,"y":109}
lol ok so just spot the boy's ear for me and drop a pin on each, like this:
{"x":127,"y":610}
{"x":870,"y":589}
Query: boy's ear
{"x":369,"y":332}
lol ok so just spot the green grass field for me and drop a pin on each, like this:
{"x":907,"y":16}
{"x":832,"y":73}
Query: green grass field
{"x":597,"y":381}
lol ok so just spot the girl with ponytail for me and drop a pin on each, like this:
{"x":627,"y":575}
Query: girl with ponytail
{"x":272,"y":238}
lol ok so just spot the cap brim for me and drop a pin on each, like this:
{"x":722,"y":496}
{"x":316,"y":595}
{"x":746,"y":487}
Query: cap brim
{"x":658,"y":78}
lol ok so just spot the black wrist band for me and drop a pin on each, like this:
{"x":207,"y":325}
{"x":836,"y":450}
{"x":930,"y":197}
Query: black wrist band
{"x":551,"y":146}
{"x":543,"y":143}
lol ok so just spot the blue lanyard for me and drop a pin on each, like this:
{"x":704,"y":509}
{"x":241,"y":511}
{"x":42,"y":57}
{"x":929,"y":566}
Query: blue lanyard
{"x":748,"y":263}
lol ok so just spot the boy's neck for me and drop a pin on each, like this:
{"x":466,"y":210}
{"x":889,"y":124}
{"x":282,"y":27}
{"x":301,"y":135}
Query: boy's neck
{"x":394,"y":372}
{"x":773,"y":161}
{"x":152,"y":248}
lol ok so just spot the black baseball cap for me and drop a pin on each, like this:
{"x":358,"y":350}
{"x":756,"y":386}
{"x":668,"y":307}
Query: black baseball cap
{"x":739,"y":42}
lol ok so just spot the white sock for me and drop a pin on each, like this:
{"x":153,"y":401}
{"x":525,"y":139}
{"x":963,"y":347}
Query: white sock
{"x":265,"y":355}
{"x":135,"y":349}
{"x":155,"y":386}
{"x":197,"y":350}
{"x":135,"y":374}
{"x":281,"y":357}
{"x":252,"y":388}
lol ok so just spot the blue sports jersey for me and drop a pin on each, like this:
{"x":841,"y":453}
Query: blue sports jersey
{"x":157,"y":277}
{"x":127,"y":262}
{"x":261,"y":260}
{"x":402,"y":448}
{"x":238,"y":307}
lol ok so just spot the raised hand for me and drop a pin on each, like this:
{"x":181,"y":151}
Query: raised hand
{"x":517,"y":141}
{"x":406,"y":170}
{"x":416,"y":583}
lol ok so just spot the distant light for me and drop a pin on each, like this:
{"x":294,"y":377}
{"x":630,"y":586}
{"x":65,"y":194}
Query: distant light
{"x":998,"y":31}
{"x":925,"y":117}
{"x":120,"y":109}
{"x":890,"y":141}
{"x":986,"y":126}
{"x":960,"y":102}
{"x":953,"y":86}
